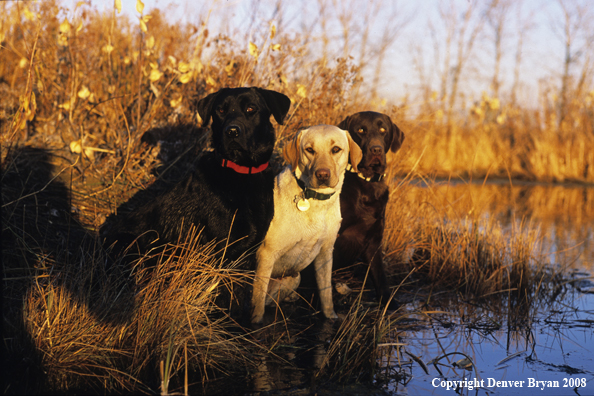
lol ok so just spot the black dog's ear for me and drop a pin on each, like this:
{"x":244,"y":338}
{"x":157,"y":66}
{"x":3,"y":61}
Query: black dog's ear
{"x":397,"y":138}
{"x":344,"y":124}
{"x":278,"y":103}
{"x":204,"y":106}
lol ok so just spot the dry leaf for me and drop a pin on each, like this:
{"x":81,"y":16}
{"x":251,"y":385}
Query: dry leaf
{"x":107,"y":48}
{"x":28,"y":14}
{"x":185,"y":78}
{"x":301,"y":91}
{"x":143,"y":26}
{"x":343,"y":288}
{"x":76,"y":146}
{"x":464,"y":363}
{"x":150,"y":42}
{"x":155,"y":75}
{"x":65,"y":27}
{"x":183,"y":67}
{"x":84,"y":92}
{"x":254,"y":50}
{"x":175,"y":102}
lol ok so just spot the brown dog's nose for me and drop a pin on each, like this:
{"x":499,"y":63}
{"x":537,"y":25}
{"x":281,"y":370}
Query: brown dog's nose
{"x":323,"y":174}
{"x":376,"y":150}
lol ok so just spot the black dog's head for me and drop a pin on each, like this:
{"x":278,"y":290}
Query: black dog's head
{"x":375,"y":133}
{"x":241,"y":128}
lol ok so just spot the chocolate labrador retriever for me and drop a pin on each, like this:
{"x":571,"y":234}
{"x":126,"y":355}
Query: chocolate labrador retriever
{"x":230,"y":193}
{"x":364,"y":196}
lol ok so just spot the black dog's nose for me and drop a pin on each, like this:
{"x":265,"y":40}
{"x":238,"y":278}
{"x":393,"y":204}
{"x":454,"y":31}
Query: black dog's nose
{"x":323,"y":174}
{"x":233,"y":131}
{"x":376,"y":150}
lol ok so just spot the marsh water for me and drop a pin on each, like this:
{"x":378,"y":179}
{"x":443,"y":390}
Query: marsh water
{"x":483,"y":349}
{"x":552,"y":353}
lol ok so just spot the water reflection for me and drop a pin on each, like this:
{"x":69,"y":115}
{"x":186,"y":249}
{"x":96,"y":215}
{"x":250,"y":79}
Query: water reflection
{"x":558,"y":347}
{"x":563,"y":214}
{"x":300,"y":352}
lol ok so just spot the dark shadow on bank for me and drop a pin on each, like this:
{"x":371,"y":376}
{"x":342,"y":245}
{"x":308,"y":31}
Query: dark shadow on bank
{"x":179,"y":148}
{"x":44,"y":247}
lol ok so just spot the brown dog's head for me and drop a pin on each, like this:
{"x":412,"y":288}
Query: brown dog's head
{"x":375,"y":133}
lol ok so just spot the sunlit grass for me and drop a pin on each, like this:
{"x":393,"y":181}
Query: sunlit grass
{"x":451,"y":244}
{"x":503,"y":141}
{"x":168,"y":317}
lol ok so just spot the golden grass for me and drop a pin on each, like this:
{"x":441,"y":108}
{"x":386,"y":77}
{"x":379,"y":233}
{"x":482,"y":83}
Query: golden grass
{"x":78,"y":94}
{"x":112,"y":333}
{"x":449,"y":243}
{"x":502,"y":141}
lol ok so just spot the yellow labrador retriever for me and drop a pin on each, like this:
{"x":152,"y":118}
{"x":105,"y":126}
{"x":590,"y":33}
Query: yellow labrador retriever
{"x":306,"y":217}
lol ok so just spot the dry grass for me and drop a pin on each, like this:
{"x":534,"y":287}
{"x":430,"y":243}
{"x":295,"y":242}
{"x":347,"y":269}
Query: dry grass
{"x":450,"y":243}
{"x":94,"y":329}
{"x":493,"y":140}
{"x":79,"y":94}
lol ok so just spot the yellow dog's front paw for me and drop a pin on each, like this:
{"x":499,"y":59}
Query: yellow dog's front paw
{"x":330,"y":314}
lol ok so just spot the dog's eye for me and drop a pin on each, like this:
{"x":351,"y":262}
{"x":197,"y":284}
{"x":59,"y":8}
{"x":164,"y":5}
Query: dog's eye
{"x":310,"y":150}
{"x":250,"y":109}
{"x":382,"y":130}
{"x":220,"y":110}
{"x":361,"y":130}
{"x":336,"y":149}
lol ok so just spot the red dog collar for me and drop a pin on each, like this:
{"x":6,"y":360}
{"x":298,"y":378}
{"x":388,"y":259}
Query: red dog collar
{"x":247,"y":170}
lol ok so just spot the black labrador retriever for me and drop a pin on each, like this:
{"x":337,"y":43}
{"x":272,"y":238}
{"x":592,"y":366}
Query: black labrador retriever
{"x":364,"y":196}
{"x":230,"y":193}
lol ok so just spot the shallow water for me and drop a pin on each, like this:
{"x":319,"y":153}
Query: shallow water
{"x":553,"y":354}
{"x":559,"y":347}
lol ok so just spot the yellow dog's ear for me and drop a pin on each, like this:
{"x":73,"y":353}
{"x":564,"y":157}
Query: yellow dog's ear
{"x":291,"y":151}
{"x":355,"y":153}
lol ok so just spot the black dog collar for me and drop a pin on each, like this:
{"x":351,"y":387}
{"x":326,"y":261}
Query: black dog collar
{"x":311,"y":194}
{"x":246,"y":170}
{"x":375,"y":178}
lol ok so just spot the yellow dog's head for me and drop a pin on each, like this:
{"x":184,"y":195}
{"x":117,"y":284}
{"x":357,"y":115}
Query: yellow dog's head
{"x":319,"y":155}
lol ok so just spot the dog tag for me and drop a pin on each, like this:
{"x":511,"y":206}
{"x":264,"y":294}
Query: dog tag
{"x":303,"y":204}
